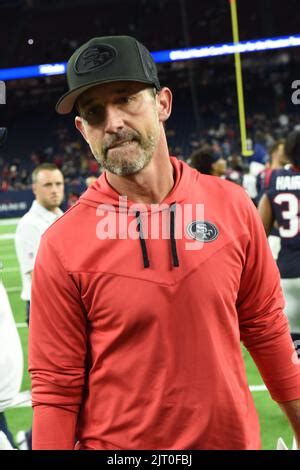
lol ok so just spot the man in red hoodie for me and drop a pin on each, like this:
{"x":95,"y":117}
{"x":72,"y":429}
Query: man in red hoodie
{"x":143,"y":290}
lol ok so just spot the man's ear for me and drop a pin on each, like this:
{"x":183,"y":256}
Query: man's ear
{"x":33,"y":187}
{"x":164,"y":99}
{"x":80,"y":126}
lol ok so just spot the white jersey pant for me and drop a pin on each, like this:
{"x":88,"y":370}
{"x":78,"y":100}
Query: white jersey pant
{"x":291,"y":291}
{"x":275,"y":245}
{"x":11,"y":355}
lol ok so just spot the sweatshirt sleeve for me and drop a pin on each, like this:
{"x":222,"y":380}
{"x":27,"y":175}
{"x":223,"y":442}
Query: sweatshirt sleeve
{"x":263,"y":324}
{"x":57,"y":351}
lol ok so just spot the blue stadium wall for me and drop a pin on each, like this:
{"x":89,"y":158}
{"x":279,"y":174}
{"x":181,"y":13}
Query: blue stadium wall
{"x":17,"y":203}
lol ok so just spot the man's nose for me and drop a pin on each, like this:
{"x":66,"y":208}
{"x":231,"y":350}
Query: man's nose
{"x":113,"y":119}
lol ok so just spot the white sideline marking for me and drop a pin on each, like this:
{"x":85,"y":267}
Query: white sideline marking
{"x":258,"y":388}
{"x":9,"y":270}
{"x":21,"y":325}
{"x":9,"y":221}
{"x":13,"y":289}
{"x":7,"y":236}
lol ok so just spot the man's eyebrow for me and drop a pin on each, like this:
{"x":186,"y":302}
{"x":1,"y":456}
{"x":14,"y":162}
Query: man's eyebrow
{"x":86,"y":103}
{"x":118,"y":91}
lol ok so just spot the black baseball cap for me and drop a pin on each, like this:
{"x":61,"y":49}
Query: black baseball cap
{"x":103,"y":60}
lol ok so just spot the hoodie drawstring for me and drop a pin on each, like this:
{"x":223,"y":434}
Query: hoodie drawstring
{"x":142,"y":240}
{"x":172,"y":234}
{"x":172,"y":239}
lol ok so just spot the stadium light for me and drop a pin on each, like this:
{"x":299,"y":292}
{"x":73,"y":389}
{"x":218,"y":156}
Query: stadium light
{"x":230,"y":48}
{"x":200,"y":52}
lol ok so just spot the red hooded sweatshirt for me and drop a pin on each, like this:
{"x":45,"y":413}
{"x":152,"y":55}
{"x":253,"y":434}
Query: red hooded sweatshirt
{"x":135,"y":332}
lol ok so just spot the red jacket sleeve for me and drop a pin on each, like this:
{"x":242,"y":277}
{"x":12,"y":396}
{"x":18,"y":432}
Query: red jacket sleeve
{"x":57,"y":351}
{"x":263,"y":324}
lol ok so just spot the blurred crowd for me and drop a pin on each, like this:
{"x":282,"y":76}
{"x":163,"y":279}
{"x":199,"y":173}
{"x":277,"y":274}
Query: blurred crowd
{"x":205,"y":108}
{"x":70,"y":153}
{"x":50,"y":31}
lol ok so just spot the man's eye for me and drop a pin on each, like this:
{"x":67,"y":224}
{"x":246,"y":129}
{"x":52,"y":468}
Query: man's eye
{"x":94,"y":113}
{"x":126,"y":99}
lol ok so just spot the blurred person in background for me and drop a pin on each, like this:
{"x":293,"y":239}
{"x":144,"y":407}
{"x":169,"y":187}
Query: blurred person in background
{"x":280,"y":204}
{"x":256,"y":164}
{"x":277,"y":159}
{"x":235,"y":171}
{"x":11,"y":356}
{"x":72,"y":198}
{"x":48,"y":188}
{"x":11,"y":365}
{"x":260,"y":154}
{"x":208,"y":161}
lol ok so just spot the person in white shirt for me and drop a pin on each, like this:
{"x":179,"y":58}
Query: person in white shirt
{"x":48,"y":187}
{"x":11,"y":361}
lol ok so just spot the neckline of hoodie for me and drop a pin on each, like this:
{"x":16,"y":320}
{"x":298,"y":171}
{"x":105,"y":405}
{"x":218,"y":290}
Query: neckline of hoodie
{"x":177,"y":193}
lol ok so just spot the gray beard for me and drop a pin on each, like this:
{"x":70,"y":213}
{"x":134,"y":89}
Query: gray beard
{"x":122,"y":166}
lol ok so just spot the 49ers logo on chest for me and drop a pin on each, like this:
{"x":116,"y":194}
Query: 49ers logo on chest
{"x":202,"y":231}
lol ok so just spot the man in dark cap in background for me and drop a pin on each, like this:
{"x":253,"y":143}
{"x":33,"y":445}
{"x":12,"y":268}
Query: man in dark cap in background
{"x":209,"y":161}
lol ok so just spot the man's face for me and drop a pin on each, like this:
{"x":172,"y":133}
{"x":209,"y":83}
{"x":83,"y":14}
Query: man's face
{"x":49,"y":188}
{"x":120,"y":122}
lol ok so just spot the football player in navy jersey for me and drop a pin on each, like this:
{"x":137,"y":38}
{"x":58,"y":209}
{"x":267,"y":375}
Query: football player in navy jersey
{"x":277,"y":160}
{"x":281,"y":203}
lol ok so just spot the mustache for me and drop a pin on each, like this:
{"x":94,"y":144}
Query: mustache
{"x":119,"y":137}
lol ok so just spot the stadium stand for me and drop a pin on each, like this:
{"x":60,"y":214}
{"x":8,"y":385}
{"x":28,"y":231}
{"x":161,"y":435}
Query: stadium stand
{"x":37,"y":133}
{"x":57,"y":27}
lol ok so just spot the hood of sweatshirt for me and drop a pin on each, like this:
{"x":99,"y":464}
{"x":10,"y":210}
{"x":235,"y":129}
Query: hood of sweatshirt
{"x":103,"y":197}
{"x":101,"y":192}
{"x":105,"y":232}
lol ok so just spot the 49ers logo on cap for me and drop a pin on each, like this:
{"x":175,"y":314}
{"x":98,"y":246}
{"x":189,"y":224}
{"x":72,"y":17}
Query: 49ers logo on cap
{"x":94,"y":58}
{"x":202,"y":231}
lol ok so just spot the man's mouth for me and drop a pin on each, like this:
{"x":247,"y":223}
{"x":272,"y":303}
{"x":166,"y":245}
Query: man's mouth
{"x":121,"y":143}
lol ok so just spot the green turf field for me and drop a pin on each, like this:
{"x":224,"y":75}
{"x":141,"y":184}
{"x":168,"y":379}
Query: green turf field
{"x":273,"y":422}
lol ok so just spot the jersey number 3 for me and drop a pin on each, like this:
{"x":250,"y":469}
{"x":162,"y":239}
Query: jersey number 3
{"x":291,"y":214}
